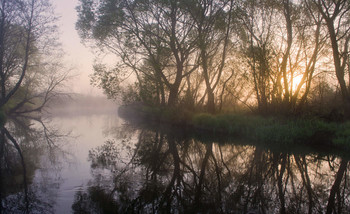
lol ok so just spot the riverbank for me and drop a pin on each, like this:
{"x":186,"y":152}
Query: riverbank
{"x":312,"y":132}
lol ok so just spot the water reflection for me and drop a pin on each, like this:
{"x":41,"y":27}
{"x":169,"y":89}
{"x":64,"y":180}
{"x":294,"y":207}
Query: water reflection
{"x":26,"y":145}
{"x":156,"y":172}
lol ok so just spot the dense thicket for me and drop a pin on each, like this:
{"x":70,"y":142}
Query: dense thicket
{"x":282,"y":57}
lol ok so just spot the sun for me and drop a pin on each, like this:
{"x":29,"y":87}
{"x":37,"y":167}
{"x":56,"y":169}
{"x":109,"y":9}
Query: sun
{"x":296,"y":81}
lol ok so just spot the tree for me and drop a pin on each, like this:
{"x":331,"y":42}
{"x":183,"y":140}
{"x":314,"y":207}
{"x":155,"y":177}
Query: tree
{"x":28,"y":76}
{"x":212,"y":21}
{"x":153,"y":40}
{"x":41,"y":85}
{"x":336,"y":15}
{"x":282,"y":49}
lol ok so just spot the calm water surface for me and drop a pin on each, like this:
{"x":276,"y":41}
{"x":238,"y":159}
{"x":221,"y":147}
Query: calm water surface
{"x":103,"y":164}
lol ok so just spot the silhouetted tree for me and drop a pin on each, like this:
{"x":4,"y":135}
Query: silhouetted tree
{"x":280,"y":44}
{"x":213,"y":26}
{"x":336,"y":15}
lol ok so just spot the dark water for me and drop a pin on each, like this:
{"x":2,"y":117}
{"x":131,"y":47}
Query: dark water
{"x":102,"y":164}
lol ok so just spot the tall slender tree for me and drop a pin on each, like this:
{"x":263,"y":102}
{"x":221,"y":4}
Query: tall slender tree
{"x":336,"y":15}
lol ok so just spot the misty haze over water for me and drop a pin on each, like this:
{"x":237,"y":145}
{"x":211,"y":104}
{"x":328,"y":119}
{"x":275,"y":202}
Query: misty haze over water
{"x":228,"y":106}
{"x":79,"y":104}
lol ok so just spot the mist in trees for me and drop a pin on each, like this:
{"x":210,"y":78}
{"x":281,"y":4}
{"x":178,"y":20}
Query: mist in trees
{"x":220,"y":54}
{"x":31,"y":71}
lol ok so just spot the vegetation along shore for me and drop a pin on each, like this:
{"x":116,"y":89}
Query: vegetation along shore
{"x":265,"y":130}
{"x":269,"y":71}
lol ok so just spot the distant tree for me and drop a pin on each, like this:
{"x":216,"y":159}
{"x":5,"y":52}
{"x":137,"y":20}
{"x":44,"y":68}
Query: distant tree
{"x":28,"y":35}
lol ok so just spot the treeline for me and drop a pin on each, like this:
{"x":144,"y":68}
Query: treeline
{"x":273,"y":57}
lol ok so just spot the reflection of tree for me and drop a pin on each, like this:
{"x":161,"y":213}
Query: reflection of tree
{"x":23,"y":143}
{"x":331,"y":206}
{"x":161,"y":173}
{"x":103,"y":202}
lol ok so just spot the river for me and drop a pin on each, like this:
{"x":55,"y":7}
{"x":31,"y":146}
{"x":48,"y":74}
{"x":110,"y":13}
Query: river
{"x":100,"y":163}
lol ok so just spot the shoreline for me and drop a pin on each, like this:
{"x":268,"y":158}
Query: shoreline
{"x":283,"y":132}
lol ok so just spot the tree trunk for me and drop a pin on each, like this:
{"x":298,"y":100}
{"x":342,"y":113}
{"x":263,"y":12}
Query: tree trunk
{"x":338,"y":56}
{"x":173,"y":94}
{"x":211,"y":102}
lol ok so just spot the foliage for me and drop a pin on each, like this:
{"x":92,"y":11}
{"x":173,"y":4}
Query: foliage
{"x":106,"y":79}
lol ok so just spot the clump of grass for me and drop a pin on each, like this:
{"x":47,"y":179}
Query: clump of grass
{"x":342,"y":136}
{"x":232,"y":124}
{"x":293,"y":131}
{"x":204,"y":121}
{"x":265,"y":130}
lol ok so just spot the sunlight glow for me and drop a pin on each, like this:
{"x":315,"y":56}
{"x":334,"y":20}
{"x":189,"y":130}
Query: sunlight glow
{"x":296,"y":81}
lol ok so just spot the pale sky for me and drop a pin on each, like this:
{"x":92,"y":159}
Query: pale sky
{"x":77,"y":55}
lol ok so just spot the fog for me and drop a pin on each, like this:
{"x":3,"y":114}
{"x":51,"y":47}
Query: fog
{"x":77,"y":57}
{"x":80,"y":104}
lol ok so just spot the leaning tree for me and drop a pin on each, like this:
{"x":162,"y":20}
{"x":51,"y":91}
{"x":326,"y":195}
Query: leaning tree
{"x":30,"y":70}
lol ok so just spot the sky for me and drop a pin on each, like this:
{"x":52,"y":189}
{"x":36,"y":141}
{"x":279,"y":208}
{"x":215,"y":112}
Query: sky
{"x":77,"y":56}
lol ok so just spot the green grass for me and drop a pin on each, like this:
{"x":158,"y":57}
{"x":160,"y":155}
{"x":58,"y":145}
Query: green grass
{"x":342,"y":136}
{"x":272,"y":130}
{"x":258,"y":129}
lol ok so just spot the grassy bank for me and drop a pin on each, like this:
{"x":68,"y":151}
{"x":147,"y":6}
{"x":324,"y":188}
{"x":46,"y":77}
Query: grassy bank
{"x":265,"y":130}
